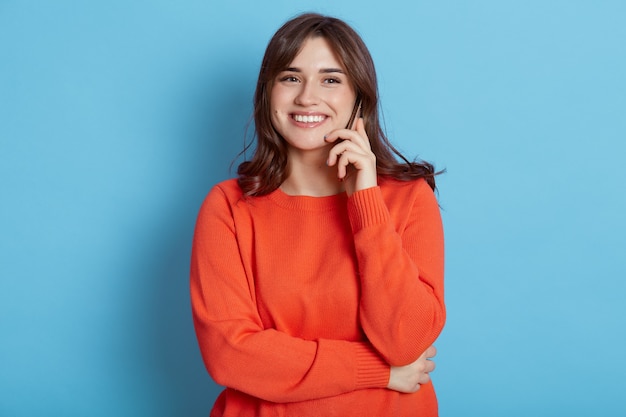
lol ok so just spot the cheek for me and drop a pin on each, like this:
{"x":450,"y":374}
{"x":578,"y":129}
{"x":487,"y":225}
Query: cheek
{"x":277,"y":97}
{"x":276,"y":119}
{"x":345,"y":102}
{"x":274,"y":105}
{"x":346,"y":106}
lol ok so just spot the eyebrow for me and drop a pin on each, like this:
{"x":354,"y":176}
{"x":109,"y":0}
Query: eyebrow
{"x":321,"y":71}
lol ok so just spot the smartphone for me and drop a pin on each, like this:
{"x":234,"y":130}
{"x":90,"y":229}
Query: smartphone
{"x":356,"y":112}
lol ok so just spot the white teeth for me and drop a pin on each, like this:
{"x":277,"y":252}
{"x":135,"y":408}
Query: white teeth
{"x":308,"y":119}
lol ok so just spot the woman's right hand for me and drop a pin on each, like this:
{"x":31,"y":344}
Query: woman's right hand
{"x":410,"y":377}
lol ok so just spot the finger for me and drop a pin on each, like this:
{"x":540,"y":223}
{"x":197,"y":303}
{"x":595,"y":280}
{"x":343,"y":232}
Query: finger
{"x":340,"y":134}
{"x":340,"y":149}
{"x":360,"y":127}
{"x":345,"y":159}
{"x":349,"y":158}
{"x":334,"y":154}
{"x":358,"y":136}
{"x":431,"y":352}
{"x":430,"y":366}
{"x":341,"y":167}
{"x":424,"y":379}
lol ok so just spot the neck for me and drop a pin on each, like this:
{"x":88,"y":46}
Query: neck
{"x":309,"y":175}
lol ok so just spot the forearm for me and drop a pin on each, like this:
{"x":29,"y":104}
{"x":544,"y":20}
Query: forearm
{"x":401,"y":311}
{"x":402,"y":308}
{"x":277,"y":367}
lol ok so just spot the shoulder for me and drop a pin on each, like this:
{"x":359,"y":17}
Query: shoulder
{"x":228,"y":187}
{"x":221,"y":197}
{"x":406,"y":197}
{"x":227,"y":190}
{"x":405,"y":189}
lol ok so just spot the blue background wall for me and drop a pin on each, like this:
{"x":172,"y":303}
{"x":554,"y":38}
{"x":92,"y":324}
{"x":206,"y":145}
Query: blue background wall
{"x":116,"y":117}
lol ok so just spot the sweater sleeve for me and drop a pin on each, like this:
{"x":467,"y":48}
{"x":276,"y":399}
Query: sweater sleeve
{"x":238,"y":351}
{"x":401,"y":269}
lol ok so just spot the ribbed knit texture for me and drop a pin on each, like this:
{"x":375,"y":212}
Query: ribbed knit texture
{"x":301,"y":304}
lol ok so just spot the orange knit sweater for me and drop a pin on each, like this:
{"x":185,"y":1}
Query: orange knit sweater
{"x":301,"y":304}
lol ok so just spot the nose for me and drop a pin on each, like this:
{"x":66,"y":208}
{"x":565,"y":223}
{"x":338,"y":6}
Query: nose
{"x":308,"y":95}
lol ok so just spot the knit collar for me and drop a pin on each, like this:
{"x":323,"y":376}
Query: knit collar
{"x":308,"y":203}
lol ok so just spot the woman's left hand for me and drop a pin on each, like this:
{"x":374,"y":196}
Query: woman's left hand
{"x":353,"y":156}
{"x":411,"y":377}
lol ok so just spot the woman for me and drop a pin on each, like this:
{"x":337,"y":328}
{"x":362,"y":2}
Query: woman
{"x":317,"y":275}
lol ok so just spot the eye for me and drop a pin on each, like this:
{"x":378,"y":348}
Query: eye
{"x":289,"y":79}
{"x":332,"y":80}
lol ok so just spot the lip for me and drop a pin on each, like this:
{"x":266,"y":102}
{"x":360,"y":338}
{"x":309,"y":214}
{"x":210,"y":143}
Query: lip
{"x":312,"y":124}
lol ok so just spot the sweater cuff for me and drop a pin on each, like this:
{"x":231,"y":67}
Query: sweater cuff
{"x":367,"y":208}
{"x":371,"y":370}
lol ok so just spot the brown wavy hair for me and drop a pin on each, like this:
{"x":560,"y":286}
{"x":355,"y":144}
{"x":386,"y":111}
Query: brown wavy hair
{"x":267,"y":169}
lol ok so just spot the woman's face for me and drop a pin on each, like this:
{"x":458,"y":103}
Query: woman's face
{"x":312,"y":97}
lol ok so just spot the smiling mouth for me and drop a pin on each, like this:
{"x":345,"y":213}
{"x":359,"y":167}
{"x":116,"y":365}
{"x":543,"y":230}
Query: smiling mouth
{"x":308,"y":119}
